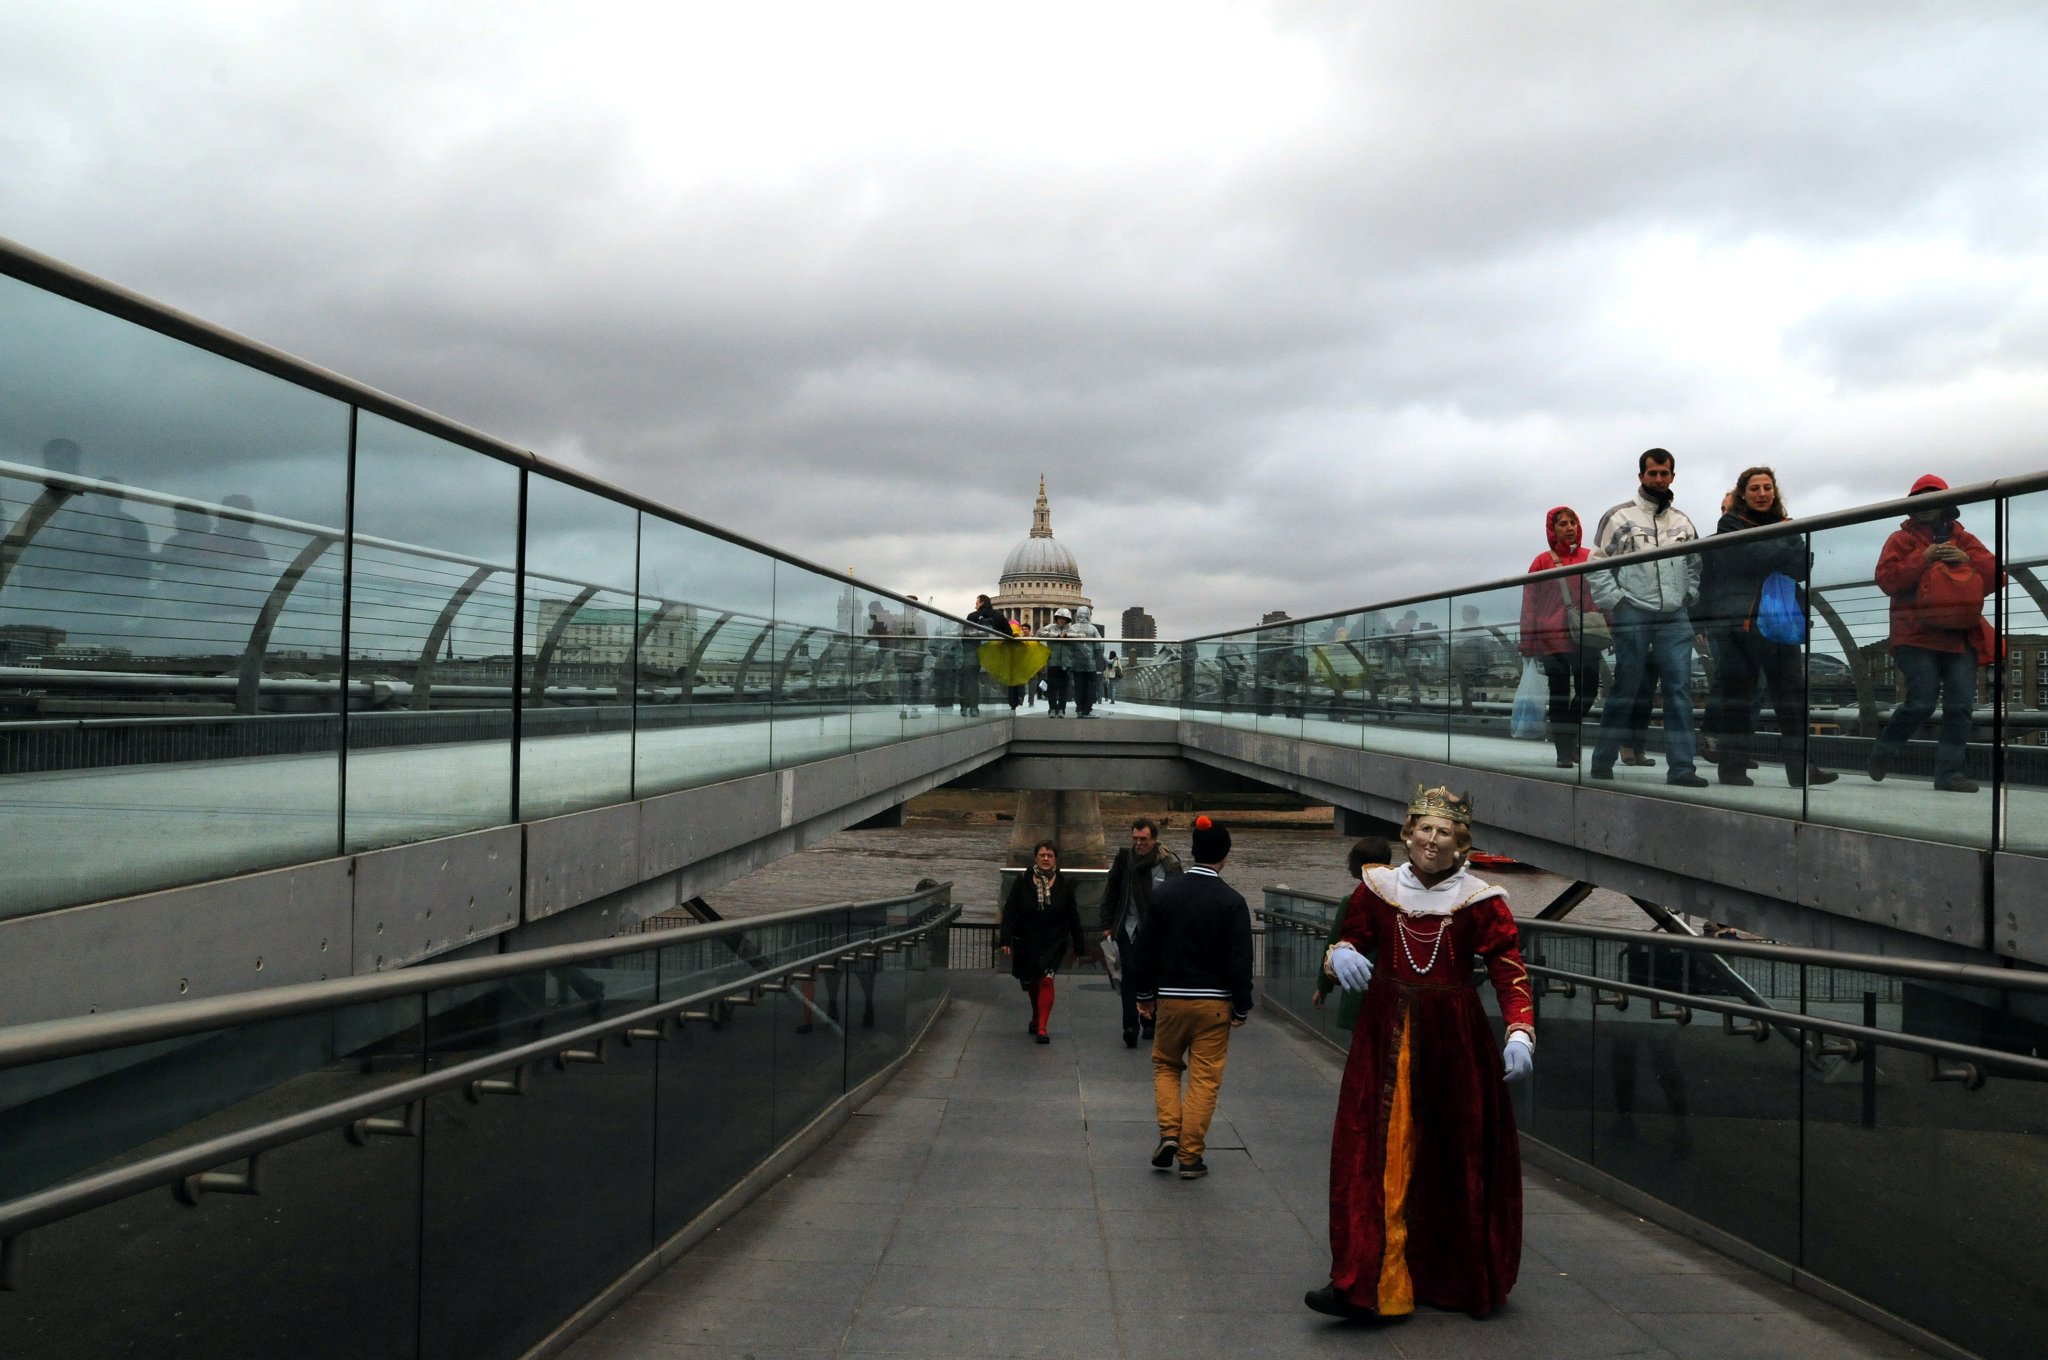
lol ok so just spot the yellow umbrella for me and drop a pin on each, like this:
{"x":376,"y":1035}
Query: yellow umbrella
{"x":1015,"y":661}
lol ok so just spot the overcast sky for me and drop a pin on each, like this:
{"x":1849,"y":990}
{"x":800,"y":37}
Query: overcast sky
{"x":1296,"y":306}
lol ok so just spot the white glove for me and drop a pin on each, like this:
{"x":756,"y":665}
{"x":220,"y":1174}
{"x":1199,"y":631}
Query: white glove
{"x":1519,"y":1056}
{"x":1352,"y":969}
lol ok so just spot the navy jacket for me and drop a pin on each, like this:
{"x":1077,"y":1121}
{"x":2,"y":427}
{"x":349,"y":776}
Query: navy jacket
{"x":1196,"y":943}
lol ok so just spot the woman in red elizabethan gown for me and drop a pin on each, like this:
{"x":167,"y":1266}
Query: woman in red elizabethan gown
{"x":1425,"y":1175}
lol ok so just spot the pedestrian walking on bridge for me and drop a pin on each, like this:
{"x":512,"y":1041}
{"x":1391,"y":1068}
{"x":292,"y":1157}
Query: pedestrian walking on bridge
{"x":1192,"y":971}
{"x":1041,"y":925}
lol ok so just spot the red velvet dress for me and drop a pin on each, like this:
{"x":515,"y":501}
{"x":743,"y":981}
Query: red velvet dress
{"x":1425,"y":1173}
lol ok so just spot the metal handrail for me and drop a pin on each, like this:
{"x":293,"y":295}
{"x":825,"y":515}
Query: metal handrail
{"x":1998,"y":488}
{"x":75,"y":1197}
{"x":2032,"y":1068}
{"x":89,"y":1033}
{"x":1956,"y":974}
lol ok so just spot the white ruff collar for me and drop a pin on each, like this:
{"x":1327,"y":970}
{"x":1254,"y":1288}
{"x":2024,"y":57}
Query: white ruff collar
{"x":1401,"y":888}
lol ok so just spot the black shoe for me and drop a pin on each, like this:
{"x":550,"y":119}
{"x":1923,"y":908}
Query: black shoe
{"x":1688,"y":781}
{"x":1330,"y":1303}
{"x":1812,"y":776}
{"x":1195,"y":1170}
{"x":1956,"y":783}
{"x":1130,"y":1038}
{"x":1044,"y":1038}
{"x":1878,"y":765}
{"x":1731,"y":775}
{"x":1164,"y":1156}
{"x":1598,"y":773}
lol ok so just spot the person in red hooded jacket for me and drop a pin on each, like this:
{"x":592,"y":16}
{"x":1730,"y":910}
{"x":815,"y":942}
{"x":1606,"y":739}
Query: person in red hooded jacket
{"x":1552,"y":612}
{"x":1936,"y":652}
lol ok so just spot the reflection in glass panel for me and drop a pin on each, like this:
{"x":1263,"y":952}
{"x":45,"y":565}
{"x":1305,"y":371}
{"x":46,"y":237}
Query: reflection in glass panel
{"x":431,"y":637}
{"x":1280,"y":679}
{"x":1856,"y":647}
{"x":324,"y":1265}
{"x":2024,"y":724}
{"x":1411,"y":646}
{"x":1560,"y":1095}
{"x":1519,"y":691}
{"x":1924,"y":1198}
{"x":879,"y":672}
{"x":170,"y":626}
{"x":808,"y":664}
{"x":704,"y":602}
{"x":1341,"y":676}
{"x":1685,"y":1110}
{"x":581,"y":621}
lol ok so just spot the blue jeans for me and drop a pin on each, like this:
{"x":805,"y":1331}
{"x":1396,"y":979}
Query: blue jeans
{"x":1951,"y":676}
{"x":1650,"y":644}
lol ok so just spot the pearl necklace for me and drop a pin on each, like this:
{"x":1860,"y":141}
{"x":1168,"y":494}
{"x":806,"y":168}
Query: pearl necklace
{"x":1436,"y":944}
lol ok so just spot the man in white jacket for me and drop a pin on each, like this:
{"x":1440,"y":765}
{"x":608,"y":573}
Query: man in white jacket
{"x":1647,"y":603}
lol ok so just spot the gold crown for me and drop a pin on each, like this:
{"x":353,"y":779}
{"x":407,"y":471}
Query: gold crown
{"x":1440,"y":802}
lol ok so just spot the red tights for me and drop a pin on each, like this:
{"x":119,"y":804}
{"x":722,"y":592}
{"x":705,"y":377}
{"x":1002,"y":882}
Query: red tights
{"x":1041,"y":1002}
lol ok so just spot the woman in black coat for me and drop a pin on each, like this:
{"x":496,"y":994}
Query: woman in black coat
{"x":1732,"y":584}
{"x":1040,"y":924}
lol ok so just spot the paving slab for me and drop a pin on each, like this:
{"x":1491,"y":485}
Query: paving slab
{"x":997,"y":1201}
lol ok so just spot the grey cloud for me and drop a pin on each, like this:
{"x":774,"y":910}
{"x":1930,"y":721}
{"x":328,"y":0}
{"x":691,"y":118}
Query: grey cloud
{"x":1355,"y":360}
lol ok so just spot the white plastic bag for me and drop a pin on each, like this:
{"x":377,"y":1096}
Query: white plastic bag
{"x":1525,"y":720}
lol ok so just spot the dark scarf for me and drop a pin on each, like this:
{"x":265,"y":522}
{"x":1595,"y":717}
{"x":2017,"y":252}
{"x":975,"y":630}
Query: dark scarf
{"x":1659,"y":497}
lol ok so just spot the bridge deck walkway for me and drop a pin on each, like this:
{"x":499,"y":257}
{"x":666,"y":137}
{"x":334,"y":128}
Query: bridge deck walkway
{"x":995,"y":1200}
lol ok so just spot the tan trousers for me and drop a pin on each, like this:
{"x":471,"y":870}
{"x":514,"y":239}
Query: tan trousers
{"x":1191,"y":1036}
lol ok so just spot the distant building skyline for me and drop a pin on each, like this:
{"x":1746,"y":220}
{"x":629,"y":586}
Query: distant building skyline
{"x":1138,"y":624}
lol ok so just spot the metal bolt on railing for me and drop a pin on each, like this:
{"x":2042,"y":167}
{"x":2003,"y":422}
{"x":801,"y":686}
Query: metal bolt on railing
{"x":244,"y":1182}
{"x":514,"y":1085}
{"x":407,"y":1125}
{"x":1660,"y":1010}
{"x":1751,"y":1027}
{"x":593,"y":1054}
{"x":1618,"y":1000}
{"x":1835,"y":1046}
{"x":1968,"y":1074}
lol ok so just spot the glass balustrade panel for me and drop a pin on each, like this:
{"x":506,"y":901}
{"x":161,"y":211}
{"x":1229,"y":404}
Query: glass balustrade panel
{"x":1344,"y":671}
{"x":809,"y":664}
{"x":2023,"y":717}
{"x":703,"y":602}
{"x":1557,"y":1105}
{"x":580,"y":620}
{"x":1686,"y":1108}
{"x":1280,"y":680}
{"x":170,"y":611}
{"x":1517,"y":711}
{"x":432,"y":629}
{"x":1412,"y":645}
{"x":323,"y":1264}
{"x":552,"y":1155}
{"x":1923,"y":1192}
{"x":716,"y":1084}
{"x":1883,"y":705}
